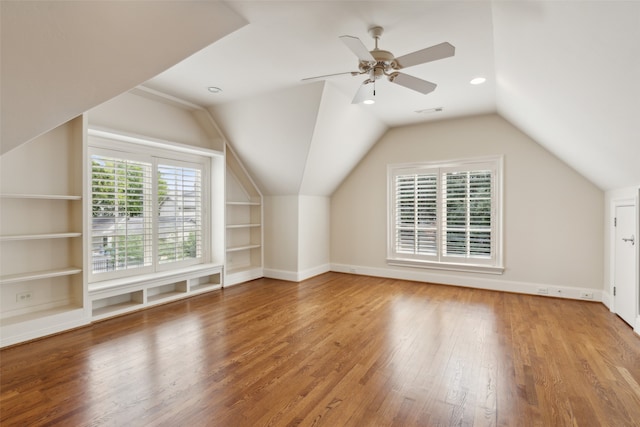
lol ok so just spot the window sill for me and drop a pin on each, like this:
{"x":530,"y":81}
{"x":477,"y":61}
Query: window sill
{"x":469,"y":268}
{"x":123,"y":282}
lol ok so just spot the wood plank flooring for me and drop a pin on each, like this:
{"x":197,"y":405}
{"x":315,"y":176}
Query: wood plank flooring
{"x":335,"y":350}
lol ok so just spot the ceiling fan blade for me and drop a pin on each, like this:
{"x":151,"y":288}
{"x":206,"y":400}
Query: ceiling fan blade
{"x":353,"y":73}
{"x":410,"y":82}
{"x":365,"y":91}
{"x":358,"y":48}
{"x":433,"y":53}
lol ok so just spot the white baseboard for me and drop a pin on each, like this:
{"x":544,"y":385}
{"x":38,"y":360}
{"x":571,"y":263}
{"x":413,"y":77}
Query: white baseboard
{"x":315,"y":271}
{"x":296,"y":276}
{"x":472,"y":282}
{"x":289,"y":276}
{"x":606,"y":300}
{"x":231,"y":279}
{"x":636,"y":329}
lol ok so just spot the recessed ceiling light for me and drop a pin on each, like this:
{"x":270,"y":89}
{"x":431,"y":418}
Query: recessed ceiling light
{"x":368,"y":101}
{"x":478,"y":81}
{"x":214,"y":89}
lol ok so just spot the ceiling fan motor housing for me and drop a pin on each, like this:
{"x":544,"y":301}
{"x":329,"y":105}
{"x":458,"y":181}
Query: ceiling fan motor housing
{"x":384,"y":61}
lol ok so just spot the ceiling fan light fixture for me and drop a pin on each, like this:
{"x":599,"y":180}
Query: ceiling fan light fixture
{"x":369,"y":101}
{"x":478,"y":80}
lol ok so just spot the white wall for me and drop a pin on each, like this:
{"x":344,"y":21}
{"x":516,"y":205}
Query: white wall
{"x":140,"y":114}
{"x":553,"y":216}
{"x":281,"y":237}
{"x":313,"y":235}
{"x":296,"y":236}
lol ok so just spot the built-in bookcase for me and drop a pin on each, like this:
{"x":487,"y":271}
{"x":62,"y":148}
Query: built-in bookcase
{"x":45,"y":220}
{"x":42,"y":280}
{"x":244,"y":224}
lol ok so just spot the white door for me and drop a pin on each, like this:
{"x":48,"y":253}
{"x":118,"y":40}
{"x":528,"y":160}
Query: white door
{"x":626,"y":240}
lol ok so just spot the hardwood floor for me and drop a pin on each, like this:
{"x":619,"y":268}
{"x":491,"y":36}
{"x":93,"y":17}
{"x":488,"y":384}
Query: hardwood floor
{"x":335,"y":350}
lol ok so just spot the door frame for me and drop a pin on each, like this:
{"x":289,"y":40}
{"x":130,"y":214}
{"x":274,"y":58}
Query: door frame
{"x":612,"y":254}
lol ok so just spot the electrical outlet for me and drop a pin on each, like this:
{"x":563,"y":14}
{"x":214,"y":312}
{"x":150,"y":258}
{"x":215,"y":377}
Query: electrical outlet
{"x":23,"y":296}
{"x":586,"y":295}
{"x":543,"y":291}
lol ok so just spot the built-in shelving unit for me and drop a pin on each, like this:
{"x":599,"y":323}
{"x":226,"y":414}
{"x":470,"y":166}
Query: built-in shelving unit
{"x":244,"y":240}
{"x":46,"y":274}
{"x":41,"y":284}
{"x":45,"y":220}
{"x":119,"y":296}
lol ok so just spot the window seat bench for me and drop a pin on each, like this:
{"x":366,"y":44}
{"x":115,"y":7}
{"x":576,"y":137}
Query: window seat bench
{"x":118,"y":296}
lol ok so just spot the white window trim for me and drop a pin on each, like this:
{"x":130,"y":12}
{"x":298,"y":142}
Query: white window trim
{"x":495,"y":264}
{"x":151,"y":150}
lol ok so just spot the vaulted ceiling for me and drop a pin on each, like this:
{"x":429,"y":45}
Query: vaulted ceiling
{"x":62,"y":58}
{"x":563,"y":72}
{"x":566,"y":73}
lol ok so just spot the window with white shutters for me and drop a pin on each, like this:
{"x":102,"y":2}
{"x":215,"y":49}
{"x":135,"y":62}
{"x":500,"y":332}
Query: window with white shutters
{"x":446,"y":215}
{"x":121,"y":214}
{"x":146,"y":212}
{"x":416,"y":214}
{"x":179,"y":213}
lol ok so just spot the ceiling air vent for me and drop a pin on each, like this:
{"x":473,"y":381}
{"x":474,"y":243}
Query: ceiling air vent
{"x":430,"y":110}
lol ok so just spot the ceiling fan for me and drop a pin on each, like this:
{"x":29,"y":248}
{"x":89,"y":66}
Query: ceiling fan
{"x":378,"y":63}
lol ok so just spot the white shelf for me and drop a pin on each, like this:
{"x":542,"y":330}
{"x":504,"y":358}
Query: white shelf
{"x":242,"y":248}
{"x":115,"y":309}
{"x":165,"y":296}
{"x":35,"y":275}
{"x":243,"y":203}
{"x":40,"y":314}
{"x":39,"y":236}
{"x":241,"y":269}
{"x":231,"y":226}
{"x":40,"y":196}
{"x":204,"y":287}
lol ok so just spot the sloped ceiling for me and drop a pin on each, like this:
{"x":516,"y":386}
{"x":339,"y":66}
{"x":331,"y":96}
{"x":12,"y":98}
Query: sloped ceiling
{"x":273,"y":146}
{"x":307,"y":151}
{"x":61,"y":58}
{"x":567,"y":74}
{"x":563,"y":72}
{"x":342,"y":136}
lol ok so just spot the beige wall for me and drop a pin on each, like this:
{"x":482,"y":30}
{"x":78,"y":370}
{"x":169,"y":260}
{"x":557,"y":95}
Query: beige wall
{"x":314,"y":220}
{"x":553,"y":234}
{"x":296,"y":236}
{"x":280,"y":235}
{"x":140,"y":114}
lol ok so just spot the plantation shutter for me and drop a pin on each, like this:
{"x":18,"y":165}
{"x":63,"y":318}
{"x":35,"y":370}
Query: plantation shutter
{"x":416,"y":214}
{"x":121,"y":218}
{"x":467,"y":218}
{"x":180,"y":226}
